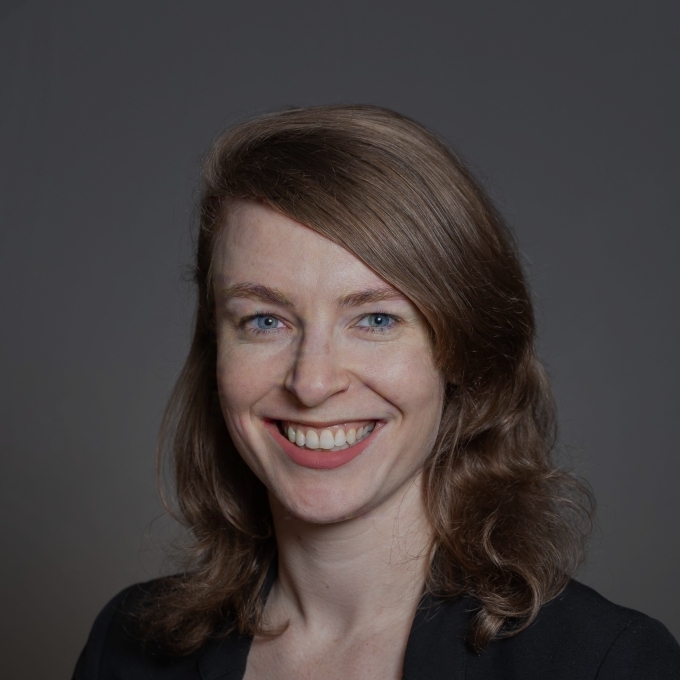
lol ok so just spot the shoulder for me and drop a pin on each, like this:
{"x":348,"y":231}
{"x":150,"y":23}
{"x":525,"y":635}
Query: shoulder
{"x":581,"y":634}
{"x":581,"y":608}
{"x":115,"y":649}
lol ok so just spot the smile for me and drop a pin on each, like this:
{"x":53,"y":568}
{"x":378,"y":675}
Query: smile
{"x":329,"y":438}
{"x":321,"y":446}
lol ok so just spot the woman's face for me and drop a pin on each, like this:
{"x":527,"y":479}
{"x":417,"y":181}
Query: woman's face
{"x":325,"y":372}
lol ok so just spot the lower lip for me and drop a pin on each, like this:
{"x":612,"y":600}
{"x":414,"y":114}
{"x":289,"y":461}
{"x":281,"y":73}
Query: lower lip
{"x":319,"y":459}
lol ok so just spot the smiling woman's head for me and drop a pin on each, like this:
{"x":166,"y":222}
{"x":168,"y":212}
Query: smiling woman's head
{"x":389,"y":207}
{"x":325,"y":372}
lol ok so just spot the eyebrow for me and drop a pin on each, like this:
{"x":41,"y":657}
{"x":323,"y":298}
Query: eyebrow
{"x":371,"y":295}
{"x":260,"y":293}
{"x":257,"y":292}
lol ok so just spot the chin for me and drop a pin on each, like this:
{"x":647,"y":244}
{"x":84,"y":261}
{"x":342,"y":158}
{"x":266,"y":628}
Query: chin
{"x":318,"y":504}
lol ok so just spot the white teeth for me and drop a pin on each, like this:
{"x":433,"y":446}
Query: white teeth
{"x":312,"y":440}
{"x":329,"y":438}
{"x":326,"y":440}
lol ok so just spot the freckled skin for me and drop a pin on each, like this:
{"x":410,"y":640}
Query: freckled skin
{"x":320,"y":363}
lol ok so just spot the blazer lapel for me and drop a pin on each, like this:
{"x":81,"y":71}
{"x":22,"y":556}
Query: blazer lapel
{"x":436,"y":645}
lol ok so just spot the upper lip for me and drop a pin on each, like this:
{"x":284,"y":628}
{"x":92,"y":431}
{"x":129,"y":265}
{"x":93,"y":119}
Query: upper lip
{"x":322,"y":424}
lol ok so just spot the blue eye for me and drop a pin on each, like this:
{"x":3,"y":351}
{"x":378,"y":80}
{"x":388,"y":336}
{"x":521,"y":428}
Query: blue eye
{"x":265,"y":322}
{"x":377,"y":321}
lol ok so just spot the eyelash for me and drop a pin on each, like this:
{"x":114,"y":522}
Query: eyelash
{"x":369,"y":329}
{"x":258,"y":331}
{"x":380,"y":329}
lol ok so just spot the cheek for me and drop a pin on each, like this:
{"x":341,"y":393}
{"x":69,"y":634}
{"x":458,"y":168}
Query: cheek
{"x":421,"y":405}
{"x":247,"y":375}
{"x":238,"y":389}
{"x":426,"y":379}
{"x":410,"y":381}
{"x":240,"y":381}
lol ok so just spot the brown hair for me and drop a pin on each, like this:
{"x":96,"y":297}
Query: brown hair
{"x":509,"y":525}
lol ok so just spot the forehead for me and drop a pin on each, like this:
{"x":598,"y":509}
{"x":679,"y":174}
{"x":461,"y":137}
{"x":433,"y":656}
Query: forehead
{"x":264,"y":247}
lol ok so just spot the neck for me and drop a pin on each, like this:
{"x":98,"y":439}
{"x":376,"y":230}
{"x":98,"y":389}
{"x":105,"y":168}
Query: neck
{"x":346,"y":575}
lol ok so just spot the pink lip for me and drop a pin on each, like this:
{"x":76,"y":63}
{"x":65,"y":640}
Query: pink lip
{"x":318,"y":458}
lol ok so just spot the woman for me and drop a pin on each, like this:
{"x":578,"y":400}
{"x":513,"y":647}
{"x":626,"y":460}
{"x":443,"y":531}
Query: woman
{"x":362,"y":435}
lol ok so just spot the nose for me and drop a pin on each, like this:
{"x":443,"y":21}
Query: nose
{"x":317,"y":372}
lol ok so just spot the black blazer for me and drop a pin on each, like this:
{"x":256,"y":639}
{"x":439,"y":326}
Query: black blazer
{"x":578,"y":636}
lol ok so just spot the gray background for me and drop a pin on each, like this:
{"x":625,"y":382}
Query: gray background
{"x":568,"y":110}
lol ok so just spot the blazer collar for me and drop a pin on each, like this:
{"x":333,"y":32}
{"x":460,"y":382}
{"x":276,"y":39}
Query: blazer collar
{"x":436,"y":647}
{"x":225,"y":658}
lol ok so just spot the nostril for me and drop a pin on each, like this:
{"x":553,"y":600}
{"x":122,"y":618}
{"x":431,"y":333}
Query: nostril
{"x":315,"y":376}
